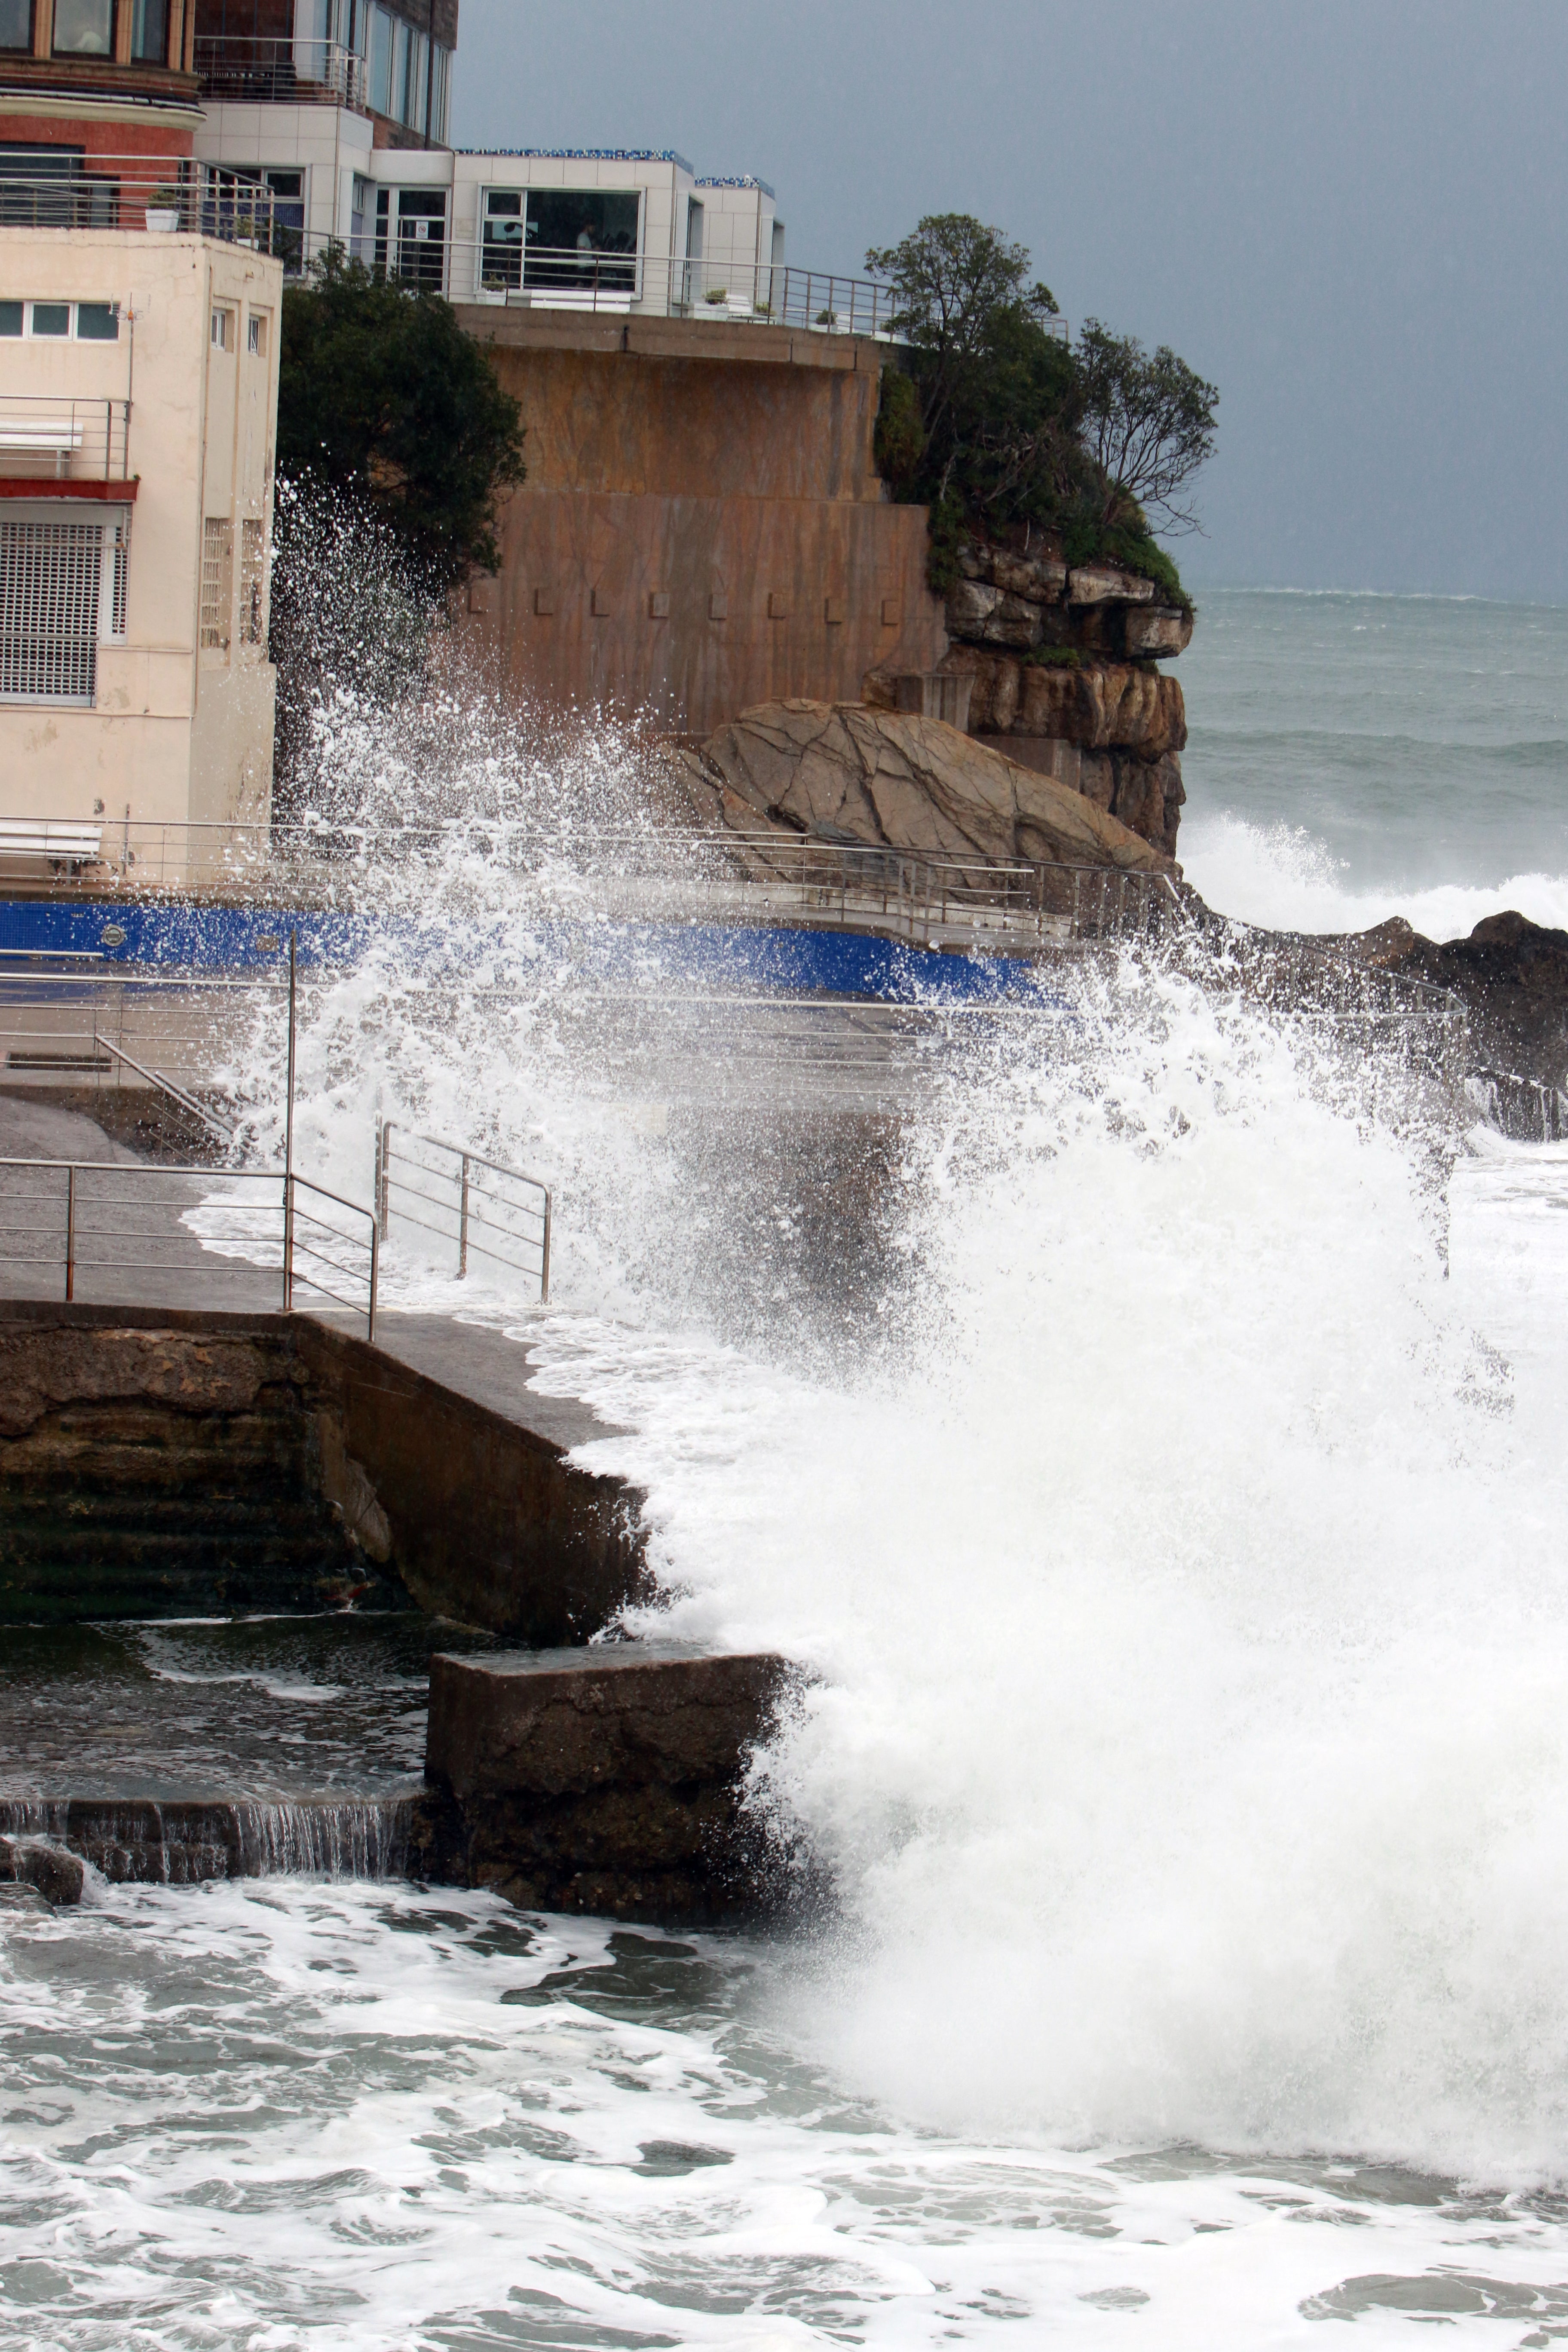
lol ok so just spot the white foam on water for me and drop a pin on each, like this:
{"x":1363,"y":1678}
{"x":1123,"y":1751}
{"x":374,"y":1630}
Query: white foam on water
{"x":335,"y":2118}
{"x":1283,"y":878}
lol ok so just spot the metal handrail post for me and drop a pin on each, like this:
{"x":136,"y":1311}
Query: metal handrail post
{"x":374,"y":1275}
{"x":288,"y":1145}
{"x":70,"y":1234}
{"x":463,"y":1223}
{"x":545,"y":1260}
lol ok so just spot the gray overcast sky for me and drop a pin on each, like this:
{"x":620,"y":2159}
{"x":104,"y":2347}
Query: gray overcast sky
{"x":1352,"y":215}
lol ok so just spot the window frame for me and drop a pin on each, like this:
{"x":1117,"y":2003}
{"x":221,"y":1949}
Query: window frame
{"x":108,"y":51}
{"x":27,"y":332}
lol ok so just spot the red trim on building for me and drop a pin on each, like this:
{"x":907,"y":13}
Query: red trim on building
{"x":48,"y":485}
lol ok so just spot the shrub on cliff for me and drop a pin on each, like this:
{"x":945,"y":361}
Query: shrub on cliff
{"x":993,"y":418}
{"x":384,"y":397}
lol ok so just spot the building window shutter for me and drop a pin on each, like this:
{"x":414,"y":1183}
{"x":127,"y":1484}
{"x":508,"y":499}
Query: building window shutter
{"x":253,"y":581}
{"x":218,"y":582}
{"x":50,"y":578}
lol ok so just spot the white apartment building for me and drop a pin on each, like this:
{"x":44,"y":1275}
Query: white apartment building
{"x":138,"y":407}
{"x":627,"y":229}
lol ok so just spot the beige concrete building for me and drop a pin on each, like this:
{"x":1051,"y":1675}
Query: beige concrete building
{"x":138,"y":407}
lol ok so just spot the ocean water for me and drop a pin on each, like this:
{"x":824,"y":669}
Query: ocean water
{"x":1155,"y":1464}
{"x":1354,"y":757}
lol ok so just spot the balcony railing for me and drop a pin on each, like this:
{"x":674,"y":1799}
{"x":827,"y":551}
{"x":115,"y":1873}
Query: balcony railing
{"x":249,"y":70}
{"x":46,"y":437}
{"x":46,"y":188}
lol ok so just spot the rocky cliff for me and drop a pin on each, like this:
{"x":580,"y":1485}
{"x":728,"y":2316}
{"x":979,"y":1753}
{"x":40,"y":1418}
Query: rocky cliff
{"x":1059,"y":665}
{"x":848,"y":773}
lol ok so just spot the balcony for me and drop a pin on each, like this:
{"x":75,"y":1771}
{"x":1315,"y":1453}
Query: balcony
{"x":56,"y":446}
{"x":51,"y":188}
{"x":247,"y":69}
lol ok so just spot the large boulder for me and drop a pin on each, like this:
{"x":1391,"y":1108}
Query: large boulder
{"x":1511,"y":975}
{"x":846,"y":773}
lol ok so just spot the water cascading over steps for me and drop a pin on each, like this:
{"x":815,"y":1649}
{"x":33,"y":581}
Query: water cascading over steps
{"x":182,"y":1843}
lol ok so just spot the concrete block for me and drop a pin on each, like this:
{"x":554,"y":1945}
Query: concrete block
{"x":607,"y":1780}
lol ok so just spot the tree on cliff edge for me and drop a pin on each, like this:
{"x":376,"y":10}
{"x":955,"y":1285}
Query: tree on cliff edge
{"x":384,"y":398}
{"x":995,"y":387}
{"x":992,"y":417}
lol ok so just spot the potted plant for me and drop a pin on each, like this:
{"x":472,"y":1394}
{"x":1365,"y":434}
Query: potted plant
{"x":164,"y":210}
{"x":717,"y":294}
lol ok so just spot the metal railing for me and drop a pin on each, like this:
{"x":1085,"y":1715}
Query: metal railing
{"x":62,"y":438}
{"x":663,"y":874}
{"x":220,"y":1129}
{"x":468,"y":1204}
{"x":255,"y":69}
{"x":45,"y":187}
{"x":104,"y":1224}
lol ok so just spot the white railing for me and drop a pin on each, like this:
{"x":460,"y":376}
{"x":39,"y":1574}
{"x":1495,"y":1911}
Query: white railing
{"x":61,"y":438}
{"x":465,"y":1201}
{"x":111,"y":1225}
{"x":45,"y":187}
{"x":655,"y":875}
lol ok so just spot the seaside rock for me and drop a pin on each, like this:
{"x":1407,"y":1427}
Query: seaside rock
{"x":1157,"y":633}
{"x":1148,"y":797}
{"x":839,"y":771}
{"x":1105,"y":706}
{"x":1103,"y":583}
{"x":1041,"y":578}
{"x":970,"y":605}
{"x":1511,"y":976}
{"x":57,"y":1875}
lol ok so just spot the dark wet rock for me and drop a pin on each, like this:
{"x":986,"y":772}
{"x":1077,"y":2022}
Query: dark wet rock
{"x":1511,"y":975}
{"x":56,"y":1875}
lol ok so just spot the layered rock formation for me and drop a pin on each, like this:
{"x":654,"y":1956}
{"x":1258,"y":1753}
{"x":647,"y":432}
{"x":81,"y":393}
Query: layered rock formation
{"x":1060,"y":666}
{"x":848,"y":772}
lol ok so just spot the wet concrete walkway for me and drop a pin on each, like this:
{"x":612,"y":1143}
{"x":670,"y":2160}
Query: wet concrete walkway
{"x":160,"y":1262}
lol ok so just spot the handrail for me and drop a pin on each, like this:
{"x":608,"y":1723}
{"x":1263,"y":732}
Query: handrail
{"x":465,"y":1212}
{"x":76,"y":1170}
{"x":217,"y":1129}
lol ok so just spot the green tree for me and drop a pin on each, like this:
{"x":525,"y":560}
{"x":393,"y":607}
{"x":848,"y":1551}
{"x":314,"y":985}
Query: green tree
{"x":385,"y":399}
{"x":992,"y":418}
{"x":994,"y":383}
{"x":1148,"y":423}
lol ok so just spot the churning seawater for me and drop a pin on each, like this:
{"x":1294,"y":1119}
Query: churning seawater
{"x":1354,"y":757}
{"x":1165,"y":1491}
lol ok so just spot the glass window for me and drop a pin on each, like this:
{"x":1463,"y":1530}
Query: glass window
{"x":380,"y":68}
{"x":150,"y":31}
{"x":500,"y":252}
{"x":400,"y":46}
{"x":10,"y":318}
{"x":15,"y":23}
{"x":418,"y":79}
{"x":422,"y":235}
{"x":440,"y":83}
{"x":97,"y":322}
{"x":51,"y":318}
{"x":84,"y":29}
{"x":574,"y":236}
